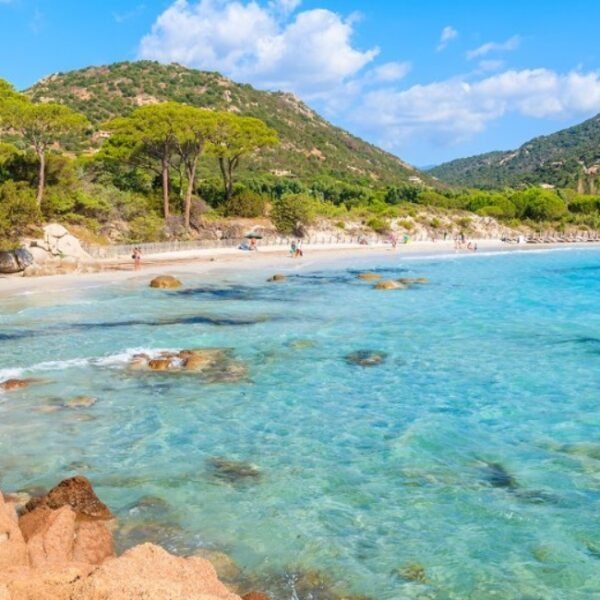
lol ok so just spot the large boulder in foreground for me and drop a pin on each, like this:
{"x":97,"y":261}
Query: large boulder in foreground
{"x":165,"y":282}
{"x":148,"y":571}
{"x":61,"y":549}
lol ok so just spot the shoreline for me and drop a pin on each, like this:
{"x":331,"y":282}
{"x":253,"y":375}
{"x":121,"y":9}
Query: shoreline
{"x":216,"y":261}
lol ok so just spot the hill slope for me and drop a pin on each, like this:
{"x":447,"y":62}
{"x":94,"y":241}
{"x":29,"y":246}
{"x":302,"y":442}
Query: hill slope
{"x":310,"y":146}
{"x":568,"y":158}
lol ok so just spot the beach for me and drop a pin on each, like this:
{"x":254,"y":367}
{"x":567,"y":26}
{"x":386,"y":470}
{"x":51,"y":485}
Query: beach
{"x":213,"y":261}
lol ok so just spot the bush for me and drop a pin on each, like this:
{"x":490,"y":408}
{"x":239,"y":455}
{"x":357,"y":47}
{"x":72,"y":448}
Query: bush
{"x":18,"y":209}
{"x":379,"y":225}
{"x":291,"y":214}
{"x":148,"y":228}
{"x":246,"y":204}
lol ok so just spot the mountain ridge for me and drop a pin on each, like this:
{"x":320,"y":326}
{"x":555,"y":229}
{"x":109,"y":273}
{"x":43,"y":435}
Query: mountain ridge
{"x":310,"y":146}
{"x":568,"y":158}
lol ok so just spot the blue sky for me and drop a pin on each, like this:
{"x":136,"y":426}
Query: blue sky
{"x":428,"y":80}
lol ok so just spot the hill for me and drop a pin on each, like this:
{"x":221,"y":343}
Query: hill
{"x":567,"y":159}
{"x":310,"y":146}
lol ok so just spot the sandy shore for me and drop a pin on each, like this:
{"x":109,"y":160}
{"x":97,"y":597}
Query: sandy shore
{"x":215,"y":261}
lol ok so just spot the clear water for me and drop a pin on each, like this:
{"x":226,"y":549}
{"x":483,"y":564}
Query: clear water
{"x":366,"y":472}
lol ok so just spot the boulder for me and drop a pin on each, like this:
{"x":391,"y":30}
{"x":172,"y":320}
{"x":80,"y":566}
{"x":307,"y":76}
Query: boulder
{"x":165,"y":282}
{"x":160,"y":364}
{"x":40,"y":255}
{"x":277,"y":277}
{"x":24,"y":258}
{"x":13,"y":551}
{"x":233,"y":470}
{"x":8,"y":263}
{"x":76,"y":492}
{"x":389,"y":285}
{"x":148,"y":571}
{"x":369,"y":276}
{"x":54,"y":231}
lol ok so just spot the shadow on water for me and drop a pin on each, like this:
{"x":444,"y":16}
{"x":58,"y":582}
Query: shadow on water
{"x":189,"y":320}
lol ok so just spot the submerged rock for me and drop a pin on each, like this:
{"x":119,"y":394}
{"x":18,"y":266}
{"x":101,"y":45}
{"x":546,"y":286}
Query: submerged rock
{"x":301,"y":344}
{"x":81,"y":402}
{"x":413,"y":280}
{"x":369,"y":276}
{"x":497,"y":476}
{"x":412,"y":572}
{"x":233,"y":470}
{"x":165,"y":282}
{"x":366,"y":358}
{"x":225,"y":566}
{"x":11,"y":385}
{"x":390,"y":285}
{"x":277,"y":277}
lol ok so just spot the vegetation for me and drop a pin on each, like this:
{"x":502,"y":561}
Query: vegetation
{"x":567,"y":159}
{"x":160,"y":170}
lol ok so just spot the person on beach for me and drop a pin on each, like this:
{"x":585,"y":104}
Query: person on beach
{"x":137,"y":258}
{"x":253,"y":245}
{"x":299,"y":253}
{"x":293,"y":248}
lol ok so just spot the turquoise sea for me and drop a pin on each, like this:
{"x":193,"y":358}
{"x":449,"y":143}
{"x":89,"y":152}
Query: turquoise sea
{"x":466,"y":465}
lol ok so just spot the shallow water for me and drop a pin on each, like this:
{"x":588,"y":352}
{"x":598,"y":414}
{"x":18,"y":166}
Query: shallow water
{"x":472,"y":451}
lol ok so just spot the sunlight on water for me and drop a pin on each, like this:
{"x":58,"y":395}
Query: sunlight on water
{"x":465,"y":465}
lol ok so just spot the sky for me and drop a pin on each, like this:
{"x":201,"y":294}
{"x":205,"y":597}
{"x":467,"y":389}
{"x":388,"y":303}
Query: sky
{"x":428,"y":80}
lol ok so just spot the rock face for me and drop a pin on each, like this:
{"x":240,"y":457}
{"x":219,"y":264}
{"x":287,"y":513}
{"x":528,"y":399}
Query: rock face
{"x":61,"y":549}
{"x":165,"y":282}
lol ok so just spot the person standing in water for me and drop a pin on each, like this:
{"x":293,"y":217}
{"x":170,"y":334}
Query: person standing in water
{"x":137,"y":258}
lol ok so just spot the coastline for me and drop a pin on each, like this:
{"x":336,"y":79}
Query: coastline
{"x":213,"y":262}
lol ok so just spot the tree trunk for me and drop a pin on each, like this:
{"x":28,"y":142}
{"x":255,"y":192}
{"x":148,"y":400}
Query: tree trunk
{"x":189,"y":193}
{"x":226,"y":185}
{"x":229,"y":179}
{"x":165,"y":186}
{"x":41,"y":177}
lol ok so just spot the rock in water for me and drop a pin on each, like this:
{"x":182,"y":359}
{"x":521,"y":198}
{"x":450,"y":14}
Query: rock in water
{"x":389,"y":285}
{"x":365,"y":358}
{"x":16,"y":384}
{"x":8,"y":263}
{"x":76,"y":492}
{"x":233,"y":470}
{"x":277,"y":277}
{"x":165,"y":282}
{"x":497,"y":476}
{"x":369,"y":276}
{"x":81,"y":402}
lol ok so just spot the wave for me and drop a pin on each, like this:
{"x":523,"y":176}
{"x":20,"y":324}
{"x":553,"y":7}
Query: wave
{"x":119,"y":358}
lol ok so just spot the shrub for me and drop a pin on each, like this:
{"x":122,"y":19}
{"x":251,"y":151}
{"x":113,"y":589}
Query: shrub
{"x":378,"y":225}
{"x":148,"y":228}
{"x":291,"y":213}
{"x":18,"y":209}
{"x":246,"y":204}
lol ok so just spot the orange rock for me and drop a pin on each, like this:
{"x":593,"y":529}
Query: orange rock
{"x":13,"y":551}
{"x":52,"y":542}
{"x":76,"y":492}
{"x":255,"y":596}
{"x":15,"y":384}
{"x":165,"y":282}
{"x":93,"y":542}
{"x":160,"y":364}
{"x":148,"y":571}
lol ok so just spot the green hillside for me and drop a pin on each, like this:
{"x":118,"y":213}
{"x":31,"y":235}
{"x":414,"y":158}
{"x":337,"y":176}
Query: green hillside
{"x":567,"y":159}
{"x":310,"y":146}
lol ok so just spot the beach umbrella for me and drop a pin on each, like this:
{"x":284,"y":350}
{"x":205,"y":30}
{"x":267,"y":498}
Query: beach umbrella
{"x":253,"y":236}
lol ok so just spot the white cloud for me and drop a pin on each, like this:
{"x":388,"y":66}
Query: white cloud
{"x":451,"y":111}
{"x":510,"y":44}
{"x":448,"y":34}
{"x":310,"y":52}
{"x":388,"y":72}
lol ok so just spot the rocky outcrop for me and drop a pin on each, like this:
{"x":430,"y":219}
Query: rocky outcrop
{"x":61,"y":548}
{"x":15,"y":261}
{"x":215,"y":365}
{"x":165,"y":282}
